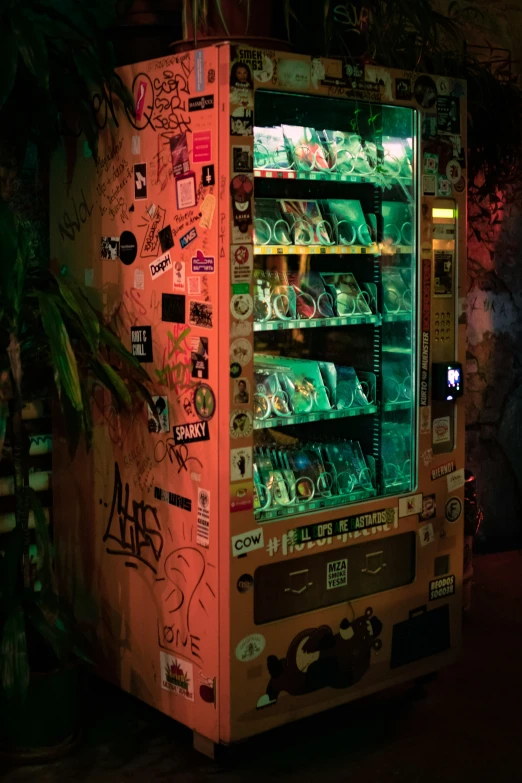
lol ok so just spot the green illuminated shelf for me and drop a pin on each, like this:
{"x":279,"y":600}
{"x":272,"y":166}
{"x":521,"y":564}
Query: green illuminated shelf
{"x":307,"y":418}
{"x":315,"y":250}
{"x":397,"y":489}
{"x":314,"y":505}
{"x":391,"y":318}
{"x":325,"y":176}
{"x":316,"y":323}
{"x":397,"y":406}
{"x":396,"y":349}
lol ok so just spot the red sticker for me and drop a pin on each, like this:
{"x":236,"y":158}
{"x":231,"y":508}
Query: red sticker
{"x":202,"y":147}
{"x":140,"y":100}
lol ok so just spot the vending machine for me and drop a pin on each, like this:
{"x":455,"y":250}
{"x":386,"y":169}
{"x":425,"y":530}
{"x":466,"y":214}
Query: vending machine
{"x":280,"y":240}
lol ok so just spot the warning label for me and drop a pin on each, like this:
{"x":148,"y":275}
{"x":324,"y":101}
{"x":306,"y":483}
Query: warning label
{"x":336,"y":574}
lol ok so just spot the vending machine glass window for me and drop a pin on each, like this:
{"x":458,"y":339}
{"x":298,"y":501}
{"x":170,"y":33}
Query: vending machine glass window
{"x":334,"y":302}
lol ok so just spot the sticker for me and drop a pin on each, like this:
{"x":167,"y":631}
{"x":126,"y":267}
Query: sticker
{"x":139,"y":279}
{"x":162,"y":409}
{"x":202,"y":147}
{"x":294,"y":73}
{"x":241,"y":496}
{"x":186,"y":191}
{"x":245,"y":583}
{"x":431,"y":163}
{"x":460,"y":186}
{"x":179,"y":154}
{"x":403,"y":89}
{"x":454,"y":171}
{"x":455,"y":480}
{"x":425,"y":325}
{"x":235,"y":370}
{"x":128,"y":248}
{"x":200,"y":314}
{"x":241,"y":463}
{"x":441,"y":430}
{"x":462,"y":310}
{"x":443,"y":186}
{"x":241,"y":306}
{"x":160,"y":265}
{"x":241,"y":393}
{"x":178,"y":283}
{"x":204,"y":402}
{"x":177,"y":676}
{"x":410,"y":505}
{"x":425,"y":92}
{"x":191,"y":433}
{"x":173,"y":308}
{"x":199,"y":69}
{"x":336,"y":574}
{"x":426,"y":534}
{"x":429,"y":508}
{"x":141,"y":341}
{"x":241,"y":288}
{"x":172,"y":499}
{"x":443,"y":273}
{"x":318,"y":530}
{"x":242,"y":263}
{"x":156,"y":216}
{"x":429,"y":185}
{"x":208,"y":206}
{"x":110,"y":248}
{"x":442,"y":470}
{"x":241,"y":122}
{"x":140,"y":100}
{"x":441,"y":588}
{"x":208,"y":176}
{"x":166,"y":239}
{"x":201,"y":263}
{"x":136,"y":145}
{"x":443,"y":86}
{"x":88,"y":278}
{"x":444,"y":231}
{"x":199,"y":359}
{"x":453,"y":509}
{"x":140,"y":181}
{"x":247,"y":542}
{"x":427,"y":457}
{"x":425,"y":420}
{"x":241,"y":424}
{"x":242,"y":157}
{"x":203,"y":523}
{"x":195,"y":476}
{"x":187,"y":238}
{"x":240,"y":329}
{"x":201,"y":103}
{"x":448,"y":115}
{"x":194,"y":285}
{"x":241,"y":351}
{"x":241,"y":189}
{"x":250,"y":647}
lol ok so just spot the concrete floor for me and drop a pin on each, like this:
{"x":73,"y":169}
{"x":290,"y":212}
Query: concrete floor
{"x":466,"y":725}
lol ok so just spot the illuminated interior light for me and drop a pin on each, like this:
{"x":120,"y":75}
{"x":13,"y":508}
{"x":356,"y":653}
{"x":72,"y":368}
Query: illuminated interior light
{"x":439,"y":212}
{"x":449,"y":397}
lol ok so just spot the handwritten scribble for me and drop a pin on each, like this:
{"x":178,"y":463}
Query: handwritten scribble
{"x":178,"y":454}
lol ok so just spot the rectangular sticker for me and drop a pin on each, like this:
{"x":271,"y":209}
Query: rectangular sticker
{"x":173,"y":308}
{"x":203,"y":102}
{"x":426,"y":534}
{"x":443,"y":273}
{"x":140,"y":181}
{"x":208,"y":206}
{"x":429,"y":184}
{"x":425,"y":325}
{"x":247,"y":542}
{"x":177,"y":676}
{"x":186,"y":191}
{"x":201,"y":263}
{"x":442,"y":587}
{"x":194,"y":286}
{"x":174,"y":500}
{"x":202,"y":147}
{"x":199,"y":359}
{"x":141,"y":341}
{"x":154,"y":219}
{"x":448,"y":115}
{"x":139,"y":279}
{"x":442,"y":470}
{"x":190,"y":433}
{"x":410,"y":505}
{"x":179,"y":277}
{"x":166,"y":239}
{"x":241,"y":496}
{"x":140,"y":100}
{"x":136,"y":145}
{"x":199,"y":68}
{"x":203,"y":523}
{"x":160,"y":265}
{"x":455,"y":480}
{"x":110,"y":248}
{"x":187,"y":238}
{"x":200,"y":314}
{"x":385,"y":518}
{"x":242,"y":263}
{"x":179,"y":154}
{"x":241,"y":463}
{"x":162,"y":410}
{"x":425,"y":420}
{"x":336,"y":574}
{"x":429,"y":507}
{"x":441,"y":430}
{"x":208,"y":176}
{"x":242,"y":157}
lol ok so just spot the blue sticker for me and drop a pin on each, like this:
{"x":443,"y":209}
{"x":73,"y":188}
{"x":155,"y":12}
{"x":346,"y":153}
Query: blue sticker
{"x":200,"y":70}
{"x":189,"y":237}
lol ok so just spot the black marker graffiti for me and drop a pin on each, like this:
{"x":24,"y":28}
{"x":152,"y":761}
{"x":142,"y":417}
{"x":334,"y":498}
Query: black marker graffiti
{"x":168,"y":448}
{"x":137,"y":533}
{"x":72,"y":225}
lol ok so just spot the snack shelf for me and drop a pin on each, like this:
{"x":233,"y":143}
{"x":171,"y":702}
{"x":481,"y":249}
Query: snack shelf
{"x":390,"y":318}
{"x":326,"y":176}
{"x":397,"y":406}
{"x":312,"y":250}
{"x":397,"y":489}
{"x":314,"y":505}
{"x":306,"y":418}
{"x":395,"y":250}
{"x":396,"y":349}
{"x":316,"y":323}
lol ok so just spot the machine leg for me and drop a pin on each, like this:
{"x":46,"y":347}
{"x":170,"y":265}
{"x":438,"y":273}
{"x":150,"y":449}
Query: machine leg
{"x":204,"y":745}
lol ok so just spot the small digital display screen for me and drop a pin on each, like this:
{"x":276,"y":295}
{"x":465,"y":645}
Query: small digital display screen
{"x":453,"y":379}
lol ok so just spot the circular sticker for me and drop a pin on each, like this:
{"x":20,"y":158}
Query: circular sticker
{"x":204,"y":402}
{"x":241,"y":306}
{"x":241,"y":351}
{"x":245,"y":583}
{"x":250,"y":647}
{"x":425,"y":92}
{"x":235,"y":370}
{"x":128,"y":248}
{"x":453,"y":509}
{"x":241,"y":328}
{"x":266,"y":72}
{"x":241,"y":424}
{"x":460,"y":185}
{"x":453,"y":171}
{"x":241,"y":255}
{"x":241,"y":189}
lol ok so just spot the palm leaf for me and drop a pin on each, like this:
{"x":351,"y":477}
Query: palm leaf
{"x":88,"y":319}
{"x":63,"y":357}
{"x":14,"y":662}
{"x":112,"y":381}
